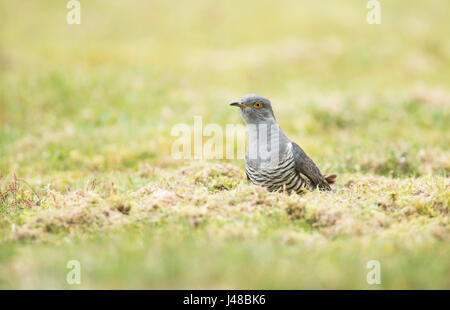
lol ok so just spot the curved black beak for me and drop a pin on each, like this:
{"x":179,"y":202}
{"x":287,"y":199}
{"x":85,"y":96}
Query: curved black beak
{"x":235,"y":104}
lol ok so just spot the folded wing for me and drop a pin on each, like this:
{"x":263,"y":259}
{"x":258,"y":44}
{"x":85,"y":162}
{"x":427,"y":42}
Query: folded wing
{"x":305,"y":166}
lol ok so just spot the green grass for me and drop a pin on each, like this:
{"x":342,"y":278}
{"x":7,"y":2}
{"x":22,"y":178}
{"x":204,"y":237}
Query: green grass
{"x":86,"y":113}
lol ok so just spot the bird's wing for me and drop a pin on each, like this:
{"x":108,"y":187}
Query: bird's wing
{"x":305,"y":165}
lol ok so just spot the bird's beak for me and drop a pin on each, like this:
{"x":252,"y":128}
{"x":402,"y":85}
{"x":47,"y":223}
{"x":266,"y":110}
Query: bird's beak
{"x":237,"y":104}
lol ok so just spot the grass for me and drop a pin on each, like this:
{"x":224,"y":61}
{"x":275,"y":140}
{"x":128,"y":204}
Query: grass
{"x":86,"y":113}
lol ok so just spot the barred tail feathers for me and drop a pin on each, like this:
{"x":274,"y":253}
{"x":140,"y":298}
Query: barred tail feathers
{"x":331,"y":179}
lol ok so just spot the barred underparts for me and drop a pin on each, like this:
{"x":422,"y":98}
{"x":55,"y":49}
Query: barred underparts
{"x":280,"y":176}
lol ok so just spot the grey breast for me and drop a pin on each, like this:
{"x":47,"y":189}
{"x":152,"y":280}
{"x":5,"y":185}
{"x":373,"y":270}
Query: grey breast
{"x":279,"y":175}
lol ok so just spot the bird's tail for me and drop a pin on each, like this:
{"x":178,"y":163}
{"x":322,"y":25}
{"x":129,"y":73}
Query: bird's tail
{"x":331,"y":179}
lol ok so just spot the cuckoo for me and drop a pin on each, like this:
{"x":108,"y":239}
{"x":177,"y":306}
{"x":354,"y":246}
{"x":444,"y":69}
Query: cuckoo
{"x":272,"y":160}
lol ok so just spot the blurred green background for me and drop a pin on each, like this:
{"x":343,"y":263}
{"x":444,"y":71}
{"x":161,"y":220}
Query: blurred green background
{"x":98,"y":101}
{"x":113,"y":87}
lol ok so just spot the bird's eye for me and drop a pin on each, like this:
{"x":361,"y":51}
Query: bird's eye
{"x":257,"y":105}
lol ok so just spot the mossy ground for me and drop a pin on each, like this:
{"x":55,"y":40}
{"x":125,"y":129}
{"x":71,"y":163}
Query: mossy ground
{"x":86,"y":114}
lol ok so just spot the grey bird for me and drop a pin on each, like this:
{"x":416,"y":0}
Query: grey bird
{"x":272,"y":160}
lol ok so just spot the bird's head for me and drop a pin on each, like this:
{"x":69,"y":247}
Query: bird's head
{"x":255,"y":109}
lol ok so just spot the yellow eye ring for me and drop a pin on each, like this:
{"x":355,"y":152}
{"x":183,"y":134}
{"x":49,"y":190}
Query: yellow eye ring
{"x":257,"y":105}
